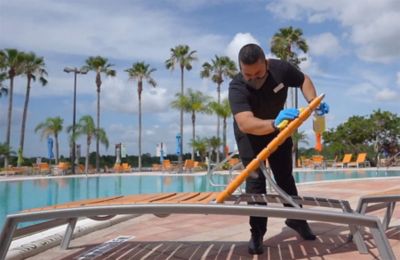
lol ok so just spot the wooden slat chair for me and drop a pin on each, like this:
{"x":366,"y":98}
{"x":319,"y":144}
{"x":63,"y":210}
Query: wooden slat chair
{"x":210,"y":203}
{"x":380,"y":200}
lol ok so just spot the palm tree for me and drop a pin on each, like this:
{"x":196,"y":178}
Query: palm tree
{"x":3,"y":88}
{"x":182,"y":56}
{"x":11,"y":62}
{"x":213,"y":143}
{"x":141,"y":71}
{"x":222,"y":110}
{"x":52,"y":126}
{"x":99,"y":65}
{"x":219,"y":69}
{"x":200,"y":145}
{"x":299,"y":137}
{"x":87,"y":127}
{"x":194,"y":102}
{"x":5,"y":150}
{"x":33,"y":67}
{"x":284,"y":45}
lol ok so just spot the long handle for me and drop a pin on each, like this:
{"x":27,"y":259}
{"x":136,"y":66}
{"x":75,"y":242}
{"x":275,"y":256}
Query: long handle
{"x":271,"y":147}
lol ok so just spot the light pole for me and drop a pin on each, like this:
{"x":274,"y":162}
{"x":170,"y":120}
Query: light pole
{"x":75,"y":71}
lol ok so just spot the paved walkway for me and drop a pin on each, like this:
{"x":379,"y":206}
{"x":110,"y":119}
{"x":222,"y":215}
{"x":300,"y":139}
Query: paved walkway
{"x":225,"y":237}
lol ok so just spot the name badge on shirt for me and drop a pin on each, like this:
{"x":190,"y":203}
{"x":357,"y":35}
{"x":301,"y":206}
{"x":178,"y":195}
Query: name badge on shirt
{"x":279,"y":87}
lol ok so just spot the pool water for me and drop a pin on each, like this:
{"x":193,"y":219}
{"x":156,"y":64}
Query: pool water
{"x":19,"y":195}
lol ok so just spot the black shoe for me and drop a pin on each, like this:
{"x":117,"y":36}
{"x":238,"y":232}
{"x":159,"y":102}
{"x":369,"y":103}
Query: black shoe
{"x":256,"y":246}
{"x":302,"y":228}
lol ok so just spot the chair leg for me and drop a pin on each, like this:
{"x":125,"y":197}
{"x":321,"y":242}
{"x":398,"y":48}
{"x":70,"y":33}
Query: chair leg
{"x":382,"y":243}
{"x":356,"y":237}
{"x":68,"y":233}
{"x":388,"y":215}
{"x":6,"y":236}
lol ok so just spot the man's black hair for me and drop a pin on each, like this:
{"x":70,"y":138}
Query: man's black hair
{"x":250,"y":54}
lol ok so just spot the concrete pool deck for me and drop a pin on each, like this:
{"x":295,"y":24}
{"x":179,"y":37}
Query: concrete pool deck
{"x":225,"y":237}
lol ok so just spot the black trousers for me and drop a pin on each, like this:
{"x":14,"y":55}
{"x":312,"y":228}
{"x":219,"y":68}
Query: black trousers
{"x":281,"y":165}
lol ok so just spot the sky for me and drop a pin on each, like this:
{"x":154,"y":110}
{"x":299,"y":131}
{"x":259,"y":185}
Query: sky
{"x":353,"y":57}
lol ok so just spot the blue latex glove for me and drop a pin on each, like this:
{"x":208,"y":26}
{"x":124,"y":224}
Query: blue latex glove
{"x":286,"y":114}
{"x":322,"y":109}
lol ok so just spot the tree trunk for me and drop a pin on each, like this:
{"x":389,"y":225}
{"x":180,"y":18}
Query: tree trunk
{"x":194,"y":131}
{"x":87,"y":155}
{"x":57,"y":148}
{"x":140,"y":89}
{"x":180,"y":158}
{"x":218,"y":120}
{"x":97,"y":132}
{"x":23,"y":124}
{"x":224,"y":136}
{"x":9,"y":119}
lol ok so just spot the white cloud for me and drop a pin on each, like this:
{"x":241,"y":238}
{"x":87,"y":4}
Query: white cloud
{"x":121,"y":96}
{"x":398,"y":79}
{"x":387,"y":94}
{"x":238,"y":41}
{"x":367,"y":92}
{"x":125,"y":33}
{"x":374,"y":26}
{"x":325,"y":44}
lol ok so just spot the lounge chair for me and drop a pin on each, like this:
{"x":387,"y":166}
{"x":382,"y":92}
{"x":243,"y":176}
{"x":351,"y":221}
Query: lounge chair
{"x":345,"y":161}
{"x":380,"y":200}
{"x":126,"y":167}
{"x":62,"y":168}
{"x":167,"y":165}
{"x":118,"y":167}
{"x":156,"y":167}
{"x":208,"y":203}
{"x":360,"y":161}
{"x":188,"y":165}
{"x":318,"y":162}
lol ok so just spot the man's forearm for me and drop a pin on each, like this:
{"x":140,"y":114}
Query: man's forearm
{"x":255,"y":126}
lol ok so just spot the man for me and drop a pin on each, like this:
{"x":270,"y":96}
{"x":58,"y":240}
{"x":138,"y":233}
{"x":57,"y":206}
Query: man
{"x":257,"y":96}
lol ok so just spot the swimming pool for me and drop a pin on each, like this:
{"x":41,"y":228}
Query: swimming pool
{"x":17,"y":195}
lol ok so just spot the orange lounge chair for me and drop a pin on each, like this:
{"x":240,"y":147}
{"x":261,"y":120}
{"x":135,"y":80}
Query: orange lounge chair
{"x":188,"y":165}
{"x":345,"y":161}
{"x":126,"y":167}
{"x":360,"y":161}
{"x":167,"y":165}
{"x":318,"y":161}
{"x":42,"y":168}
{"x":62,"y":167}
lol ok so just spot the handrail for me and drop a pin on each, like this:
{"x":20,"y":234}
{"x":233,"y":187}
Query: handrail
{"x":271,"y":147}
{"x":389,"y":161}
{"x":211,"y":173}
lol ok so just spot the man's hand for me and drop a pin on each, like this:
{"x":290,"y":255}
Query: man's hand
{"x":284,"y":117}
{"x":322,"y":109}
